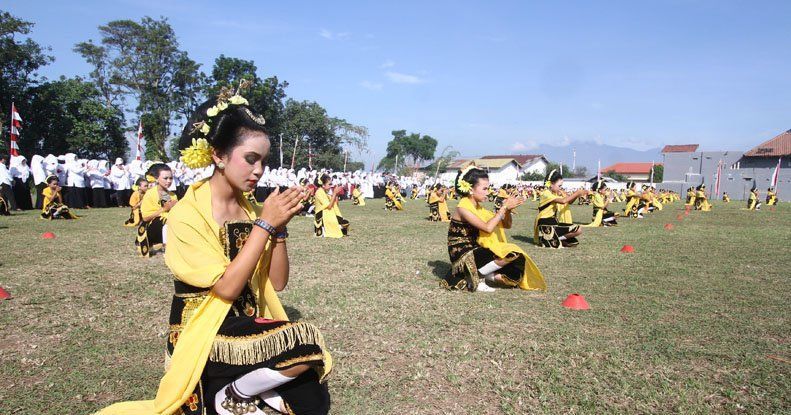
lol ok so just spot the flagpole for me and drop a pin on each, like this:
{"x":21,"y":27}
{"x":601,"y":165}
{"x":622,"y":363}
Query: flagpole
{"x":281,"y":150}
{"x":139,"y":138}
{"x":598,"y":171}
{"x":294,"y":154}
{"x":652,"y":173}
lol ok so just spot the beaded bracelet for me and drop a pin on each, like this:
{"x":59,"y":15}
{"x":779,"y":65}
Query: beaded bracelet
{"x":265,"y":226}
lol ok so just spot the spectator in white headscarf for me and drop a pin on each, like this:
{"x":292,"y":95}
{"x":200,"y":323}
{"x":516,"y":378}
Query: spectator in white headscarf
{"x":121,"y":182}
{"x":39,"y":177}
{"x":19,"y":170}
{"x":20,"y":176}
{"x":5,"y":185}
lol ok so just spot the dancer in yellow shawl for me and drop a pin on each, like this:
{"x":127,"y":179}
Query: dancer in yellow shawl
{"x":327,"y":219}
{"x":691,"y":195}
{"x":438,"y":206}
{"x":231,"y":346}
{"x":635,"y":205}
{"x":357,"y":197}
{"x":134,"y":202}
{"x":393,"y":197}
{"x":753,"y":203}
{"x":701,"y":200}
{"x":771,"y":197}
{"x":53,"y":207}
{"x":549,"y":230}
{"x":725,"y":197}
{"x":479,"y":251}
{"x":154,"y":209}
{"x":600,"y":199}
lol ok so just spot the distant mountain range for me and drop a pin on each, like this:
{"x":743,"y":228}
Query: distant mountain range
{"x":589,"y":153}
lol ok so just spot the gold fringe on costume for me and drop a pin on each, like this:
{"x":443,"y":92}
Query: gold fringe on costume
{"x":250,"y":350}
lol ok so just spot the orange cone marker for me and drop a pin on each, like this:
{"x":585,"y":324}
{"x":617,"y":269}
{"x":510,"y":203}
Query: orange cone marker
{"x":575,"y":302}
{"x":48,"y":235}
{"x":668,"y":226}
{"x":4,"y":295}
{"x":627,"y":249}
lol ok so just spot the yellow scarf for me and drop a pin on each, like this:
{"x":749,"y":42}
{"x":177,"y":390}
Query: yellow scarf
{"x":498,"y":244}
{"x":195,"y":256}
{"x":329,"y":219}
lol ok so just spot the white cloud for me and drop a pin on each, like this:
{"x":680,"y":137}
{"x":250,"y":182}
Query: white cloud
{"x":373,"y":86}
{"x":387,"y":64}
{"x":327,"y":34}
{"x":402,"y":78}
{"x":518,"y":146}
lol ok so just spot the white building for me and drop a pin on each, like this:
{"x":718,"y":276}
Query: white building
{"x":528,"y":163}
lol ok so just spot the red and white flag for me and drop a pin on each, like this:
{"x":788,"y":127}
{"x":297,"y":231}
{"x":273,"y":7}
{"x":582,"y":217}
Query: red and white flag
{"x":16,"y":124}
{"x":139,"y":140}
{"x":776,"y":174}
{"x":717,"y":180}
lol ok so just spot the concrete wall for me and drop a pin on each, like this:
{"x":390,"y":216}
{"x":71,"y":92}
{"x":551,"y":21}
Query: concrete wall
{"x":683,"y":170}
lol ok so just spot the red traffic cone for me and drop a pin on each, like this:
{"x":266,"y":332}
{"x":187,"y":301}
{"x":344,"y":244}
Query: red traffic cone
{"x":668,"y":226}
{"x":687,"y":208}
{"x":686,"y":213}
{"x":627,"y":249}
{"x":575,"y":302}
{"x":680,"y":217}
{"x":4,"y":295}
{"x":48,"y":235}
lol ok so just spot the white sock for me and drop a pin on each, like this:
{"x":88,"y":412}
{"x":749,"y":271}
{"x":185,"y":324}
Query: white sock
{"x":489,"y":268}
{"x":273,"y":399}
{"x":562,"y":238}
{"x":259,"y":381}
{"x":609,"y":219}
{"x":164,"y":234}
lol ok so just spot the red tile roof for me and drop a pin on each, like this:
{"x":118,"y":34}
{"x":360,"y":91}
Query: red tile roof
{"x":630,"y":168}
{"x":680,"y":148}
{"x":776,"y":147}
{"x":520,"y":158}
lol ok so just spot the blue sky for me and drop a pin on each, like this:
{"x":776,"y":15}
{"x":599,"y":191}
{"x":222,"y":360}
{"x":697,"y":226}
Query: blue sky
{"x":490,"y":77}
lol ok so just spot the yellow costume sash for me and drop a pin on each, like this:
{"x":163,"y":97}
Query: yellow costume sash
{"x":195,"y":255}
{"x":532,"y":279}
{"x":358,"y":196}
{"x":597,"y":200}
{"x":329,"y":219}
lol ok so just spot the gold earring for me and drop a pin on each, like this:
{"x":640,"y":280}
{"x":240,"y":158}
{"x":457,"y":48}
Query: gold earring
{"x":220,"y":165}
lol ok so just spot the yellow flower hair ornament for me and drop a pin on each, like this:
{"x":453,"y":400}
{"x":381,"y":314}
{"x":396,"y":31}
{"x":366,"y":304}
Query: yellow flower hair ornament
{"x":150,"y":178}
{"x":464,"y":186}
{"x":198,"y":155}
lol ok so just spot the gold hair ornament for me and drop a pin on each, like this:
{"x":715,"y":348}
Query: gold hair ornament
{"x":199,"y":154}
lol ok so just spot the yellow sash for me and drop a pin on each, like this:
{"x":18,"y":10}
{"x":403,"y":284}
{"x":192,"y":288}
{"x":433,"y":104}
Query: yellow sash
{"x":329,"y":219}
{"x":195,"y":256}
{"x":532,"y":279}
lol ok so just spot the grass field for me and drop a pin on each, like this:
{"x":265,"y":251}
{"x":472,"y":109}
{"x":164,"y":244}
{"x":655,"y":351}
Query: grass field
{"x":695,"y":321}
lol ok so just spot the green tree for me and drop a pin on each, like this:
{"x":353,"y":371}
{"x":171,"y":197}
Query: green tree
{"x":532,"y":176}
{"x":19,"y":61}
{"x":70,"y":116}
{"x":141,"y":62}
{"x":659,"y":173}
{"x":266,"y":96}
{"x":615,"y":176}
{"x":410,"y":149}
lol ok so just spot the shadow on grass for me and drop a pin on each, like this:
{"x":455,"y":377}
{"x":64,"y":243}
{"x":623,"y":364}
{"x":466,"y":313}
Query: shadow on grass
{"x":439,"y":269}
{"x":292,"y":313}
{"x":527,"y":239}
